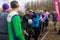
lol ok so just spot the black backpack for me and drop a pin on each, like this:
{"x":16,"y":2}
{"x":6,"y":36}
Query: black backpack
{"x":3,"y":23}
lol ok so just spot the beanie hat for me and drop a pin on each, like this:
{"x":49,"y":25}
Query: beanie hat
{"x":5,"y":6}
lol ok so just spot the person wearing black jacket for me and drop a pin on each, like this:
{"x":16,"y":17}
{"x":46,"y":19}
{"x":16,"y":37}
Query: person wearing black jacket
{"x":27,"y":24}
{"x":55,"y":17}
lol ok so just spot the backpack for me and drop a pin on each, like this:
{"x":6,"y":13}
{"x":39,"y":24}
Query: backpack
{"x":3,"y":23}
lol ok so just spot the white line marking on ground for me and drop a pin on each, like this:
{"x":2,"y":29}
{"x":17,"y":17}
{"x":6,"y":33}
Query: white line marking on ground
{"x":45,"y":35}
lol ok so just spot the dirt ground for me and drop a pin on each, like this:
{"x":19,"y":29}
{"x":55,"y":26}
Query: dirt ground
{"x":52,"y":35}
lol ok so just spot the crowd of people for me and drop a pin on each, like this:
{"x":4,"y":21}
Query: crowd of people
{"x":17,"y":27}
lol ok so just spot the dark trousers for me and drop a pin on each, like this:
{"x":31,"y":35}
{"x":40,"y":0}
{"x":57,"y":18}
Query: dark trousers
{"x":29,"y":31}
{"x":36,"y":33}
{"x":3,"y":37}
{"x":46,"y":24}
{"x":42,"y":27}
{"x":28,"y":37}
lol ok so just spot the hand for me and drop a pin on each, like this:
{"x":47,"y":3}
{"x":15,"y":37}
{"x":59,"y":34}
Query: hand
{"x":43,"y":20}
{"x":26,"y":33}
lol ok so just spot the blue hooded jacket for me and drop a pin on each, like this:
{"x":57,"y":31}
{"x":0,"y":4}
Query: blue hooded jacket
{"x":39,"y":14}
{"x":36,"y":21}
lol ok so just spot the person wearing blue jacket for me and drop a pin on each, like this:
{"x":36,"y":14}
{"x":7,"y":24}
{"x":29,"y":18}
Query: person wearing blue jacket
{"x":35,"y":25}
{"x":40,"y":16}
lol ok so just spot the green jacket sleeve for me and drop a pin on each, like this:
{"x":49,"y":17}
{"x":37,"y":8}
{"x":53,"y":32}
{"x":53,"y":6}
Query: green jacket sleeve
{"x":18,"y":28}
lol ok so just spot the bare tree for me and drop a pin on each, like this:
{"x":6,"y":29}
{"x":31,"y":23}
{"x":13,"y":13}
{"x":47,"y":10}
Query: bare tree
{"x":48,"y":5}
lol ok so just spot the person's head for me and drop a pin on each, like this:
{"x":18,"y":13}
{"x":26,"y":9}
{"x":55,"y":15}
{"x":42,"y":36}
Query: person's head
{"x":38,"y":11}
{"x":15,"y":6}
{"x":5,"y":7}
{"x":35,"y":11}
{"x":44,"y":11}
{"x":54,"y":11}
{"x":41,"y":10}
{"x":30,"y":10}
{"x":27,"y":12}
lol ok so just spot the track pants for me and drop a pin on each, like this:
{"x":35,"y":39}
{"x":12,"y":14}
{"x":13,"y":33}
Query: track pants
{"x":46,"y":24}
{"x":29,"y":31}
{"x":43,"y":26}
{"x":36,"y":33}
